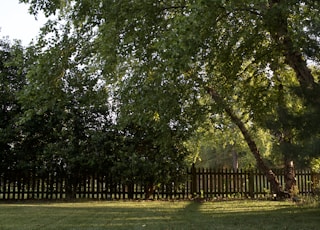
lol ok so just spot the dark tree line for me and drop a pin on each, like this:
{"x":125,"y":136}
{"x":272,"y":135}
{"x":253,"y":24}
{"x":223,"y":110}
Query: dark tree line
{"x":74,"y":132}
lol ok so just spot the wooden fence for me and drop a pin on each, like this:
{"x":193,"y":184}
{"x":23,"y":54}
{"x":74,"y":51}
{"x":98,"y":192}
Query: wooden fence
{"x":241,"y":183}
{"x":200,"y":182}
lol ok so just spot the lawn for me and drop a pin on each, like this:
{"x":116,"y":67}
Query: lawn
{"x":244,"y":214}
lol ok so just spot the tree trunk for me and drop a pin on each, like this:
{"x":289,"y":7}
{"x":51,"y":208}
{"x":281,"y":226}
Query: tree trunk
{"x":272,"y":178}
{"x":285,"y":136}
{"x":235,"y":161}
{"x":148,"y":190}
{"x":290,"y":178}
{"x":293,"y":56}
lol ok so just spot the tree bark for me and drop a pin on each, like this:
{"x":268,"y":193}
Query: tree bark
{"x":285,"y":135}
{"x":272,"y":178}
{"x":235,"y":161}
{"x":290,"y":178}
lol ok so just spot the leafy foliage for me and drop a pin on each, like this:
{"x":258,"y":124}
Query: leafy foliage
{"x":12,"y":80}
{"x":146,"y":67}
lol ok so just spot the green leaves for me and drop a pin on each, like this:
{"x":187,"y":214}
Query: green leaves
{"x":12,"y":80}
{"x":157,"y":58}
{"x":48,"y":7}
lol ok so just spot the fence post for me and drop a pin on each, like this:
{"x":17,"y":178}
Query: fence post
{"x":130,"y":187}
{"x":251,"y":184}
{"x":193,"y":181}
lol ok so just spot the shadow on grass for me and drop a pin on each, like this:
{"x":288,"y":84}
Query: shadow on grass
{"x":158,"y":215}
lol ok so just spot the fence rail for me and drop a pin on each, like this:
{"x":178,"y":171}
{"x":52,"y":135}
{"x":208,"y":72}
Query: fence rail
{"x":206,"y":183}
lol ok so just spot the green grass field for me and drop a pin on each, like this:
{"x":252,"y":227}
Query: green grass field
{"x":224,"y":215}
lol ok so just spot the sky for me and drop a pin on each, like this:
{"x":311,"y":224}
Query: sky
{"x":17,"y":23}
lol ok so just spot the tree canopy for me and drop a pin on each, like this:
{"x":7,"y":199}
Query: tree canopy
{"x":171,"y":65}
{"x":13,"y":79}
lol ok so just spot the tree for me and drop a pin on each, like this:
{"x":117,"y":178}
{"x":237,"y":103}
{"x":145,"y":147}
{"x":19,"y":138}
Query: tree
{"x":12,"y":80}
{"x":66,"y":103}
{"x":61,"y":94}
{"x":232,"y":51}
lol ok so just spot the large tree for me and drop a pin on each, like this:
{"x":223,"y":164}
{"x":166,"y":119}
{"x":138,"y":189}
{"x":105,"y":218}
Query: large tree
{"x":12,"y":80}
{"x":234,"y":52}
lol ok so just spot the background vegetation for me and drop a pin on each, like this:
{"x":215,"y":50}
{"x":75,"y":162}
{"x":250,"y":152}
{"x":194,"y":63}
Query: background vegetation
{"x":148,"y":87}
